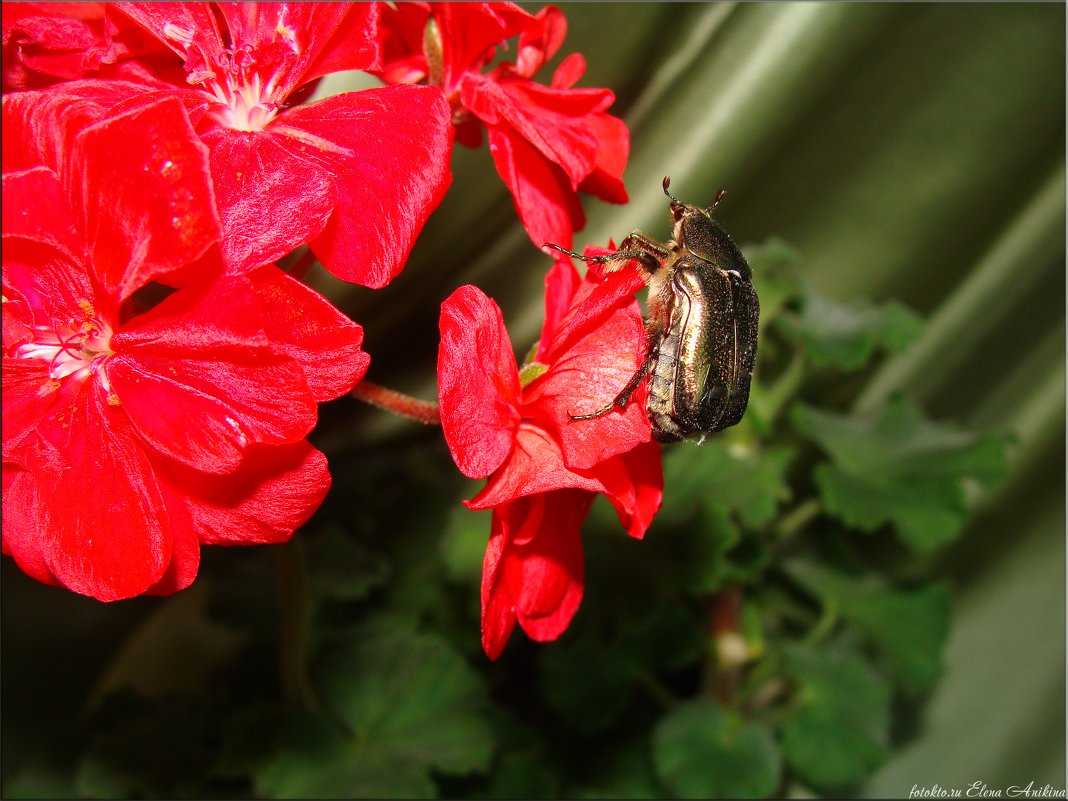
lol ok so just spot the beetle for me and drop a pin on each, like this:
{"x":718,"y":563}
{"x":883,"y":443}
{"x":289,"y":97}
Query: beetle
{"x":701,"y":331}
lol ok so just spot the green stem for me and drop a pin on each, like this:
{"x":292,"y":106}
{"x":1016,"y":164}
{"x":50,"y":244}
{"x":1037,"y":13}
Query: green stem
{"x":295,"y":619}
{"x":779,"y":394}
{"x":797,"y":518}
{"x":825,"y":625}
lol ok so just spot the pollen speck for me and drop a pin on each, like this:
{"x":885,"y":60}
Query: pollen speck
{"x":113,"y":400}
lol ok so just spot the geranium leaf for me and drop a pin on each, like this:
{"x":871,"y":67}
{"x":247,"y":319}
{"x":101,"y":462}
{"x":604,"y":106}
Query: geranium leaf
{"x":703,"y":751}
{"x":411,"y":705}
{"x":750,"y":484}
{"x":908,"y":627}
{"x":846,"y":337}
{"x":840,"y":731}
{"x":894,"y":466}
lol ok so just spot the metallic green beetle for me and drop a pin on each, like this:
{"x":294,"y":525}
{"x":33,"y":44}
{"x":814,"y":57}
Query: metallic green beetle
{"x":701,"y":333}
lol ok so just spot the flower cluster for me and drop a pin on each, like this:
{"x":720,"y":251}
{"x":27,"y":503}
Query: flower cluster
{"x":548,"y":142}
{"x":516,"y":428}
{"x":162,"y":372}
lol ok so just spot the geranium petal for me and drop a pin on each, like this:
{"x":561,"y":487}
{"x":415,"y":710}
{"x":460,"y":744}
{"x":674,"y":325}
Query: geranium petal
{"x":272,"y":198}
{"x":606,"y":179}
{"x":35,"y":208}
{"x":561,"y":283}
{"x":142,"y":180}
{"x":352,"y":45}
{"x":273,"y":493}
{"x":104,"y":522}
{"x":594,"y":352}
{"x":549,"y":210}
{"x":634,"y":483}
{"x":535,"y":578}
{"x":478,"y":382}
{"x":200,"y":381}
{"x":22,"y":535}
{"x":468,"y":30}
{"x":303,"y":325}
{"x":539,"y":42}
{"x":387,"y":151}
{"x":553,"y":121}
{"x":535,"y":465}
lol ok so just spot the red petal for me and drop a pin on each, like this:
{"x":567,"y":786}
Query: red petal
{"x":105,"y":526}
{"x":535,"y":465}
{"x":271,"y":197}
{"x":39,"y":127}
{"x":561,"y":283}
{"x":552,"y":120}
{"x":387,"y":151}
{"x":35,"y":208}
{"x":539,"y":43}
{"x":400,"y":39}
{"x":271,"y":495}
{"x":142,"y":179}
{"x":549,"y":210}
{"x":606,"y":179}
{"x":594,"y":351}
{"x":537,"y":576}
{"x":22,"y":537}
{"x":201,"y":383}
{"x":468,"y":30}
{"x":478,"y":382}
{"x":634,"y":483}
{"x":568,"y":73}
{"x":352,"y":45}
{"x":302,"y":324}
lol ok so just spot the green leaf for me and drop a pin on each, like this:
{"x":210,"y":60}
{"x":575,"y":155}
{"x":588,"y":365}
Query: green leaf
{"x":703,"y":751}
{"x":908,"y":627}
{"x":894,"y":466}
{"x":839,"y":732}
{"x":845,"y":337}
{"x":748,"y":482}
{"x":411,"y":705}
{"x":775,"y":276}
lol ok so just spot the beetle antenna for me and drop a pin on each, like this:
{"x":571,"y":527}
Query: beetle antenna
{"x":717,"y":199}
{"x":677,"y":207}
{"x":667,"y":184}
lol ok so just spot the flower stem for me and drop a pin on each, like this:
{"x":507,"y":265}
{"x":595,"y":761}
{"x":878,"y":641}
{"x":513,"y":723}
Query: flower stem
{"x":295,"y":616}
{"x":391,"y":400}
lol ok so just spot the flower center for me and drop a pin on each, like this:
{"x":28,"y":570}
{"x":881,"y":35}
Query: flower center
{"x":78,"y":348}
{"x":244,"y":100}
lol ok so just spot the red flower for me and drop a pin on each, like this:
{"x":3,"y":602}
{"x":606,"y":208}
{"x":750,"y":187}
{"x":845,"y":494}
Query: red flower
{"x":544,"y":468}
{"x":130,"y":437}
{"x":48,"y":42}
{"x":548,"y":142}
{"x":355,"y":175}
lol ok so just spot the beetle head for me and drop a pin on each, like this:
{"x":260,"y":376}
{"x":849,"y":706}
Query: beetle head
{"x":680,"y":209}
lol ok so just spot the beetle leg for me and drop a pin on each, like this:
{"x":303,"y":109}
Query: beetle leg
{"x":623,"y":398}
{"x":650,"y":255}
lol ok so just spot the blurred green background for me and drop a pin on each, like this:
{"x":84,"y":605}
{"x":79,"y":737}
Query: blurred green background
{"x":905,"y":151}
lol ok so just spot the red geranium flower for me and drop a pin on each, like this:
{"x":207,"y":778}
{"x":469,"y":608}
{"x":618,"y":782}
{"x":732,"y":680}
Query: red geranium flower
{"x":548,"y":142}
{"x":544,"y":468}
{"x":355,"y":175}
{"x":131,"y":436}
{"x":44,"y":43}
